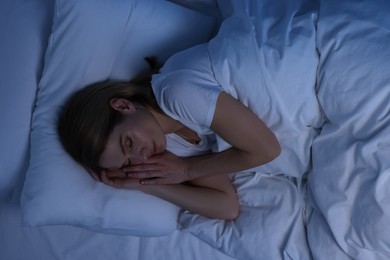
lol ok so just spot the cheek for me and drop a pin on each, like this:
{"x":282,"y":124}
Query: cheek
{"x":111,"y":157}
{"x":150,"y":130}
{"x":147,"y":132}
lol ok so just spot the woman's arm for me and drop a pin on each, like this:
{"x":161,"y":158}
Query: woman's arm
{"x":212,"y":197}
{"x":253,"y":144}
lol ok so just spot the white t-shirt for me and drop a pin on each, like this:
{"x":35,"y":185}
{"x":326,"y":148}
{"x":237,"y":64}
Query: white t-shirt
{"x":187,"y":91}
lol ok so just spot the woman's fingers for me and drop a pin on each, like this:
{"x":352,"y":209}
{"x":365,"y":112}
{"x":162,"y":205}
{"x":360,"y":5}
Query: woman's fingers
{"x":165,"y":168}
{"x":127,"y":183}
{"x":115,"y":173}
{"x":118,"y":179}
{"x":144,"y":167}
{"x":155,"y":181}
{"x":105,"y":179}
{"x":151,"y":164}
{"x":143,"y":171}
{"x":144,"y":175}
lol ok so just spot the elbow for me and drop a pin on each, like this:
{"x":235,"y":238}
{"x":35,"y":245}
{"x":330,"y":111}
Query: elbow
{"x":266,"y":152}
{"x":230,"y":215}
{"x":275,"y":151}
{"x":265,"y":149}
{"x":233,"y":211}
{"x":228,"y":209}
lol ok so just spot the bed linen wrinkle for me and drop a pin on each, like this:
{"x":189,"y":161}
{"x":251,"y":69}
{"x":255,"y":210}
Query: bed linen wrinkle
{"x":380,"y":186}
{"x":262,"y":225}
{"x":353,"y":90}
{"x":228,"y":229}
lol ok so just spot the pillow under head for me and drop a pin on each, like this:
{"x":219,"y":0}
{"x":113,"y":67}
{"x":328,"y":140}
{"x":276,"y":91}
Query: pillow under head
{"x":91,"y":41}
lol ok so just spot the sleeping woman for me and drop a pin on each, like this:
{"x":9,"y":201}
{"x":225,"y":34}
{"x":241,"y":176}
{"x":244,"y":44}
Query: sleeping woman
{"x":122,"y":132}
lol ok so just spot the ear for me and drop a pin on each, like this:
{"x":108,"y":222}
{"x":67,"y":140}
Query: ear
{"x":122,"y":105}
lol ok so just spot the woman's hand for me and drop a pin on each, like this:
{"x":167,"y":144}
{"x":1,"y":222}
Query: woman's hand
{"x":165,"y":168}
{"x":118,"y":179}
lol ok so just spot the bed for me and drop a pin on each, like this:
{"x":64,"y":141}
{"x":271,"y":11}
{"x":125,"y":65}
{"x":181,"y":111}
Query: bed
{"x":316,"y":71}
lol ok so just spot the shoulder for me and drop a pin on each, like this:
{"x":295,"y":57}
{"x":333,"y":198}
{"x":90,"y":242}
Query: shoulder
{"x":186,"y":88}
{"x":173,"y":85}
{"x":189,"y":98}
{"x":195,"y":58}
{"x":188,"y":72}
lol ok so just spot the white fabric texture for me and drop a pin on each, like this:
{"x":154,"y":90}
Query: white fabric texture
{"x":70,"y":243}
{"x":186,"y":89}
{"x":92,"y":41}
{"x":186,"y":149}
{"x":351,"y":168}
{"x":21,"y":65}
{"x":270,"y":225}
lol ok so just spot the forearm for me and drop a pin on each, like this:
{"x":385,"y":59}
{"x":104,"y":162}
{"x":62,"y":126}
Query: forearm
{"x":201,"y":200}
{"x":229,"y":161}
{"x":213,"y":197}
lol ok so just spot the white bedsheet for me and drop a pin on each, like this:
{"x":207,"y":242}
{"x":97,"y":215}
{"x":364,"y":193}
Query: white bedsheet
{"x":349,"y":184}
{"x":270,"y":225}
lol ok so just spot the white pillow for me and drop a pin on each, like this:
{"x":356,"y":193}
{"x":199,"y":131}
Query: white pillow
{"x":93,"y":40}
{"x":21,"y":65}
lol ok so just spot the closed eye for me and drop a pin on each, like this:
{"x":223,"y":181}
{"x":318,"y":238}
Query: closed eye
{"x":126,"y":147}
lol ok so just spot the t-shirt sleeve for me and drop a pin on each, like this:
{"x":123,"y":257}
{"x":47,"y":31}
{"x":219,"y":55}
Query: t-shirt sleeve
{"x":188,"y":96}
{"x":186,"y":88}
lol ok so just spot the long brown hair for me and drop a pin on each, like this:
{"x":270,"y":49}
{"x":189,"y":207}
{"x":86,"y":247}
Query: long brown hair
{"x":88,"y":119}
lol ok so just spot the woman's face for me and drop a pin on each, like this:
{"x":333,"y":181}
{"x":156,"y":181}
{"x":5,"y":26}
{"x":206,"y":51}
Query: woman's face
{"x":135,"y":139}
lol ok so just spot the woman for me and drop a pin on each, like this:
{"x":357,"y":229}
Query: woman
{"x":120,"y":132}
